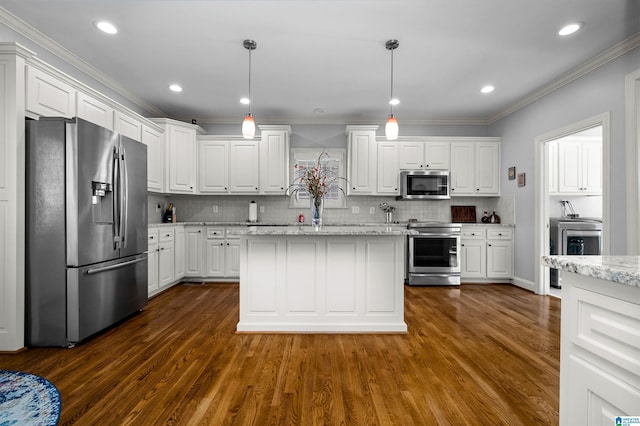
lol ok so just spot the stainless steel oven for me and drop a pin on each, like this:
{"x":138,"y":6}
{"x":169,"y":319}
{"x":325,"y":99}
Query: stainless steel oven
{"x":433,"y":254}
{"x":573,"y":237}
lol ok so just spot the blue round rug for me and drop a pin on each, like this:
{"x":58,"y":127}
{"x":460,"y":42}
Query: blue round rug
{"x":26,"y":399}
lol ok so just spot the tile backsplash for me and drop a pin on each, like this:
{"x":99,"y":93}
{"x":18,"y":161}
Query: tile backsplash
{"x":235,"y":208}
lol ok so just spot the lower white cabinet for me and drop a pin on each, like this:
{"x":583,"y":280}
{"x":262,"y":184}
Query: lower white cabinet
{"x":166,"y":257}
{"x":152,"y":261}
{"x":180,"y":253}
{"x":599,"y":351}
{"x":194,"y":237}
{"x":486,"y":253}
{"x":222,"y":253}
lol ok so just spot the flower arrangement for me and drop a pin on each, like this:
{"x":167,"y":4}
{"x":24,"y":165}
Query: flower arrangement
{"x":317,"y":180}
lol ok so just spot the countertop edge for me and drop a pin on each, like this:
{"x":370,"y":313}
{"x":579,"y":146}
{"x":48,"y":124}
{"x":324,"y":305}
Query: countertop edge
{"x":619,"y":269}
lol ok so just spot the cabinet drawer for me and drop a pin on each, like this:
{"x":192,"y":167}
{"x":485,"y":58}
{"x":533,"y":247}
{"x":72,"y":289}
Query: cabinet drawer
{"x":166,"y":234}
{"x":215,"y":232}
{"x":473,"y":234}
{"x":231,"y":236}
{"x":152,"y":236}
{"x":499,"y":234}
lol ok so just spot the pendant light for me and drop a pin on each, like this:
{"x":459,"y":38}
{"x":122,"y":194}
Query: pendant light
{"x":391,"y":127}
{"x":248,"y":124}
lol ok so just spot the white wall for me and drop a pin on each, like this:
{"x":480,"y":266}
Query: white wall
{"x":598,"y":92}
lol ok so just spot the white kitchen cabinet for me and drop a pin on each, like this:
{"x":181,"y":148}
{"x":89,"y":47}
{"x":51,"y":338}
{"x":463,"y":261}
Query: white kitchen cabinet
{"x":244,"y":170}
{"x":274,"y":159}
{"x":232,"y":254}
{"x":580,"y":167}
{"x":127,"y":125}
{"x":154,"y":140}
{"x":48,"y":96}
{"x":213,"y":175}
{"x":361,"y":161}
{"x":388,"y":171}
{"x":486,"y":253}
{"x":180,"y":252}
{"x":475,"y":168}
{"x":214,"y":252}
{"x":194,"y":242}
{"x":94,"y":110}
{"x":424,"y":155}
{"x":152,"y":260}
{"x":599,"y":351}
{"x":166,"y":256}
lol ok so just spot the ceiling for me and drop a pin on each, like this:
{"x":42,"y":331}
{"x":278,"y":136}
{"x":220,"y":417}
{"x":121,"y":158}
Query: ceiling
{"x":321,"y":61}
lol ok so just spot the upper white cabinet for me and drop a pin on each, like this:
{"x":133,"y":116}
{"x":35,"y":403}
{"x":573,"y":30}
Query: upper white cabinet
{"x":228,"y":166}
{"x":580,"y":167}
{"x":361,"y":161}
{"x":49,"y":96}
{"x":127,"y":125}
{"x":154,"y":140}
{"x":424,"y":155}
{"x":274,"y":159}
{"x":180,"y":140}
{"x":475,"y":167}
{"x":244,"y":170}
{"x":213,"y":176}
{"x":94,"y":110}
{"x":388,"y":172}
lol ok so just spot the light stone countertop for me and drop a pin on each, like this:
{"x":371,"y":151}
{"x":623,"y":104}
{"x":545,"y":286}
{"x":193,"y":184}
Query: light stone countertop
{"x":326,"y":230}
{"x":619,"y":269}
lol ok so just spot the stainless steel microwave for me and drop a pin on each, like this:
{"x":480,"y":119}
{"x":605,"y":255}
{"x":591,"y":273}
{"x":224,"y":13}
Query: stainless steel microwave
{"x":425,"y":185}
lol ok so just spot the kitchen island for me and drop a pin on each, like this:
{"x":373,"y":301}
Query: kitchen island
{"x":599,"y":338}
{"x":336,"y":279}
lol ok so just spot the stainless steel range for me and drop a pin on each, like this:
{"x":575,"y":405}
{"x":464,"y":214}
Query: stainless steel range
{"x":573,"y":237}
{"x":433,"y":254}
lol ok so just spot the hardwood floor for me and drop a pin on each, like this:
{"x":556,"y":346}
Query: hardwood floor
{"x":475,"y":354}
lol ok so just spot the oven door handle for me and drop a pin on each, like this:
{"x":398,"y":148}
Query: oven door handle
{"x":431,"y":235}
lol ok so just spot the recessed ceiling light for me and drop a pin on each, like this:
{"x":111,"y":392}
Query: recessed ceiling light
{"x":569,"y":29}
{"x":394,"y":101}
{"x":487,"y":89}
{"x":175,"y":88}
{"x":245,"y":101}
{"x":106,"y":27}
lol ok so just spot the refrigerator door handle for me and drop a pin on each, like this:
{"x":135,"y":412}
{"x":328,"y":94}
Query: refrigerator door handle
{"x":116,"y":198}
{"x":112,"y":267}
{"x":124,"y":199}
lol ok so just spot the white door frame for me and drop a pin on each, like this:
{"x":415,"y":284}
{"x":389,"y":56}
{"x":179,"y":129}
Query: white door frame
{"x":541,"y":231}
{"x":632,"y":107}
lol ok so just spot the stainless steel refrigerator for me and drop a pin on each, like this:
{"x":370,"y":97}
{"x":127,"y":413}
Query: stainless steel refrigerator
{"x":86,"y":230}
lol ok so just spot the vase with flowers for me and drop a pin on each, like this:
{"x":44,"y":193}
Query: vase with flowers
{"x":316,"y":181}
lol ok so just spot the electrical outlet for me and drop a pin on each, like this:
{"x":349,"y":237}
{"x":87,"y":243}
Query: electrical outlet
{"x":215,"y":209}
{"x":261,"y":209}
{"x":355,"y":209}
{"x":372,"y":210}
{"x":158,"y":208}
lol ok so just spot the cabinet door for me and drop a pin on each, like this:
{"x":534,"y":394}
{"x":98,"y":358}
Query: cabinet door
{"x":499,"y":259}
{"x":569,"y":167}
{"x":48,"y":96}
{"x":179,"y":268}
{"x":274,"y":162}
{"x":155,"y":158}
{"x":462,"y":168}
{"x":592,"y":168}
{"x":213,"y":160}
{"x":232,"y":258}
{"x":95,"y":111}
{"x":437,"y":155}
{"x":487,"y":168}
{"x":214,"y":253}
{"x":388,"y":172}
{"x":362,"y":162}
{"x":182,"y":156}
{"x":411,"y":155}
{"x":166,"y":259}
{"x":244,"y":172}
{"x":127,"y":126}
{"x":473,"y":259}
{"x":194,"y":258}
{"x":153,"y":269}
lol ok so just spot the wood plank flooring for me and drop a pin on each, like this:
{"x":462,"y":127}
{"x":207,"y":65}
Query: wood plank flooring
{"x":474,"y":355}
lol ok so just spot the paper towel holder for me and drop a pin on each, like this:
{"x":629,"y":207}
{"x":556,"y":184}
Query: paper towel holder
{"x":253,"y":212}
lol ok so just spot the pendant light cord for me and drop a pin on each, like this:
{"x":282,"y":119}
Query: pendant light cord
{"x":391,"y":98}
{"x":250,"y":81}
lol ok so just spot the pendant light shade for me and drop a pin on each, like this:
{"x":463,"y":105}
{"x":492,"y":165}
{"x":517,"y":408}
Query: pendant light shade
{"x":248,"y":127}
{"x":248,"y":124}
{"x":391,"y":128}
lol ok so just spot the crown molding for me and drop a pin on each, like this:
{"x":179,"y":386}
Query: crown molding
{"x":26,"y":30}
{"x":608,"y":55}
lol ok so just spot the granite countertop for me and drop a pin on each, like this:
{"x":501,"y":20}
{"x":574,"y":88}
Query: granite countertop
{"x":370,"y":230}
{"x":619,"y":269}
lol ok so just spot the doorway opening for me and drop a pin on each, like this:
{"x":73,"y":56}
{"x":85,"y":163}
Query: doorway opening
{"x":555,"y":186}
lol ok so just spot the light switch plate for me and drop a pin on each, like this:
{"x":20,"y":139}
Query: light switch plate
{"x":372,"y":210}
{"x":355,"y":209}
{"x":215,"y":209}
{"x":261,"y":209}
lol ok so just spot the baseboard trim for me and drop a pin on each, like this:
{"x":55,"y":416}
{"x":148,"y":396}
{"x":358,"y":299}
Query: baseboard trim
{"x":525,"y":284}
